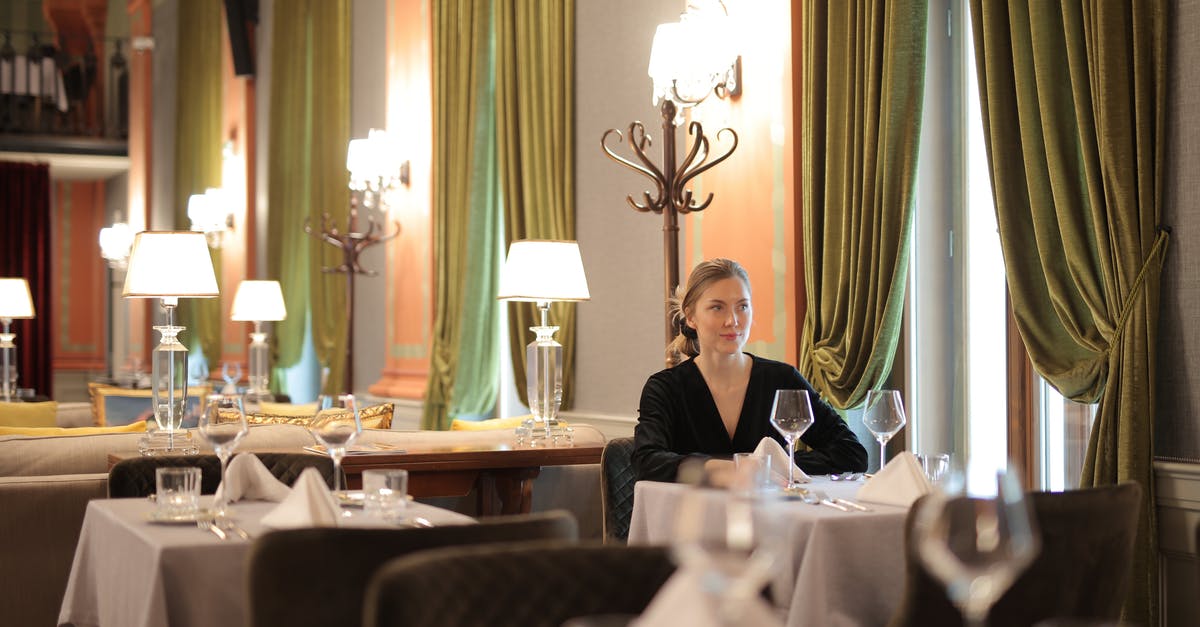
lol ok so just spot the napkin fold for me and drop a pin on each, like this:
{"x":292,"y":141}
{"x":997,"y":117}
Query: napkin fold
{"x":685,"y":600}
{"x":768,"y":447}
{"x":310,"y":504}
{"x":247,"y":479}
{"x":900,"y":482}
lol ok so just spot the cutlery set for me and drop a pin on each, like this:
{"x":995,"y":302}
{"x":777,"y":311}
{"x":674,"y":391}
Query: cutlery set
{"x":222,"y":528}
{"x":819,"y":497}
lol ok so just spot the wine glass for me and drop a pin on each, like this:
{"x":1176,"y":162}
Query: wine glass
{"x":976,"y":543}
{"x":223,"y":425}
{"x":336,"y":426}
{"x":231,"y":373}
{"x":884,"y":417}
{"x":791,"y":415}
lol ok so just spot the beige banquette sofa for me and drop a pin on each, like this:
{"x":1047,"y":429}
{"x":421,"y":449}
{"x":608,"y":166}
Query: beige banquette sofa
{"x":46,"y":483}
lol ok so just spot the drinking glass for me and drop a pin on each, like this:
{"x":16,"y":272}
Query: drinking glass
{"x":884,"y":417}
{"x":976,"y":542}
{"x":177,"y":492}
{"x":791,"y":415}
{"x":385,"y":493}
{"x":231,"y":372}
{"x":336,"y":426}
{"x":223,"y":425}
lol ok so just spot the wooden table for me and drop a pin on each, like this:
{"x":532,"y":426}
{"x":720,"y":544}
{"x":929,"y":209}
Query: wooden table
{"x":501,"y":475}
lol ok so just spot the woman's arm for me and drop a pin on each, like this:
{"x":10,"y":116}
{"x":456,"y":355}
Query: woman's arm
{"x":834,"y":446}
{"x":653,"y":456}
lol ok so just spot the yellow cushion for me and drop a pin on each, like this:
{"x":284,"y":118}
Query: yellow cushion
{"x":494,"y":423}
{"x":135,"y":427}
{"x":287,"y":409}
{"x":373,"y":417}
{"x":29,"y":414}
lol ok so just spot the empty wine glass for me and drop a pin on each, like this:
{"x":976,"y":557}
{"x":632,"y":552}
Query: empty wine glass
{"x":336,"y":426}
{"x":884,"y":417}
{"x":223,"y":425}
{"x":976,"y":542}
{"x":791,"y":415}
{"x":231,"y":373}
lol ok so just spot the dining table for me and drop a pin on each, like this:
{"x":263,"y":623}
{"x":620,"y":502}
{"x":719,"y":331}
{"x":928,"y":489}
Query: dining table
{"x":130,"y":571}
{"x":832,"y":568}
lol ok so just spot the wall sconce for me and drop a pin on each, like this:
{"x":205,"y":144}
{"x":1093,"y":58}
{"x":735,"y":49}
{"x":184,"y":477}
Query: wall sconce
{"x":115,"y":242}
{"x":209,"y":213}
{"x":689,"y":60}
{"x":375,"y":168}
{"x":16,"y":303}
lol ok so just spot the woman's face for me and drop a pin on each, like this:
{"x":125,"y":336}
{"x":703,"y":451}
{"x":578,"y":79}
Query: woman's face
{"x":722,"y":316}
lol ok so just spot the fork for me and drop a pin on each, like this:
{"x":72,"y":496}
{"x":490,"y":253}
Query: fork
{"x":823,"y":499}
{"x":208,"y":525}
{"x":227,"y":525}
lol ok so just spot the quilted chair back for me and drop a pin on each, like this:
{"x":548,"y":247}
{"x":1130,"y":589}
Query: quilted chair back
{"x":281,"y":563}
{"x":616,"y":481}
{"x":134,"y":477}
{"x":536,"y":584}
{"x":1081,"y":573}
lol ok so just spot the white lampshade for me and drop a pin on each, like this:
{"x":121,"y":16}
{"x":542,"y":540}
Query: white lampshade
{"x":373,"y":158}
{"x":692,"y":54}
{"x":15,"y":301}
{"x":543,"y":270}
{"x":258,"y":301}
{"x":170,"y":264}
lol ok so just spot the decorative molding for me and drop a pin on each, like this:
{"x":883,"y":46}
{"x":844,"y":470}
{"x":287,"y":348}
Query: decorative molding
{"x":1177,"y":502}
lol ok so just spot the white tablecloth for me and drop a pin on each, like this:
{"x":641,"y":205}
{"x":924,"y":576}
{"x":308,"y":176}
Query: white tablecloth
{"x":48,"y":83}
{"x":841,"y":568}
{"x":129,"y":572}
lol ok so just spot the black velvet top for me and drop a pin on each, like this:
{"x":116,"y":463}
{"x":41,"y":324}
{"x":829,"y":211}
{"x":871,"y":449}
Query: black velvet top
{"x":678,"y":418}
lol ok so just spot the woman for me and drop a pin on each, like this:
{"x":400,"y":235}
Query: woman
{"x":718,"y":402}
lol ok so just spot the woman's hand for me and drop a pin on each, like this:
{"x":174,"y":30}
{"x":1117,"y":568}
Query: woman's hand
{"x":718,"y":472}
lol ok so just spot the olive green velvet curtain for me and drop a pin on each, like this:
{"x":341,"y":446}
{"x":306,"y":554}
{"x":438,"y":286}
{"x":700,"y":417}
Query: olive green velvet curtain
{"x":198,"y":114}
{"x":464,"y":362}
{"x":535,"y":67}
{"x":863,"y":68}
{"x":309,"y":132}
{"x":1072,"y":96}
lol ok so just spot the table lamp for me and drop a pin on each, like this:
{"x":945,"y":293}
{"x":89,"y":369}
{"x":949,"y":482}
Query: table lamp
{"x":170,"y":265}
{"x":543,"y":271}
{"x":15,"y":303}
{"x":257,"y":302}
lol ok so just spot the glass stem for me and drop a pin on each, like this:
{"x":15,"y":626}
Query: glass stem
{"x":791,"y":461}
{"x":220,"y":506}
{"x":337,"y":473}
{"x":882,"y":453}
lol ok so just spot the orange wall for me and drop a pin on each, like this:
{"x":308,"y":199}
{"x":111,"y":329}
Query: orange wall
{"x":409,"y":299}
{"x":79,"y":276}
{"x":751,"y":218}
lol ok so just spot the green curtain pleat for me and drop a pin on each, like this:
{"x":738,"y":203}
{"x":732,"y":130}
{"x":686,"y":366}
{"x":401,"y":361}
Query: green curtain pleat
{"x":309,"y":132}
{"x":198,"y":114}
{"x":535,"y":67}
{"x":1072,"y":96}
{"x":863,"y":84}
{"x":465,"y":208}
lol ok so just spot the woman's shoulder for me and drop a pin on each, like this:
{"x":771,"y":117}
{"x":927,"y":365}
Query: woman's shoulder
{"x":683,"y":371}
{"x":771,"y":366}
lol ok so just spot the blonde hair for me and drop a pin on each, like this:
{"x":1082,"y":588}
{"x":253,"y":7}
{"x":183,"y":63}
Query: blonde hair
{"x":686,"y":344}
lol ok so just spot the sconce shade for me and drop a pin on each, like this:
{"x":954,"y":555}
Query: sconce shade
{"x":690,"y":57}
{"x":373,"y":158}
{"x":170,"y":264}
{"x":543,"y":270}
{"x":258,"y":301}
{"x":15,"y":300}
{"x":115,"y":241}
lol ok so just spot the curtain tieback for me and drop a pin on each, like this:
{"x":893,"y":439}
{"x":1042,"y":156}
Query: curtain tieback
{"x":1156,"y":258}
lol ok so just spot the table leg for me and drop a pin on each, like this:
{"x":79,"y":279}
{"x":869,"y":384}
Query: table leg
{"x":506,"y":491}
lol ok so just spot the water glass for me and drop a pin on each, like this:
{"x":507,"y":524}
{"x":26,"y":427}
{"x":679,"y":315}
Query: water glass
{"x":385,"y":493}
{"x":177,"y":491}
{"x":751,"y":474}
{"x":935,"y":465}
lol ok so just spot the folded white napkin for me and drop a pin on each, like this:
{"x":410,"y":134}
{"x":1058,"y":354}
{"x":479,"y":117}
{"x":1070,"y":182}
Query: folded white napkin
{"x":310,"y":504}
{"x":684,"y":600}
{"x":248,"y":479}
{"x":900,"y":482}
{"x":768,"y":447}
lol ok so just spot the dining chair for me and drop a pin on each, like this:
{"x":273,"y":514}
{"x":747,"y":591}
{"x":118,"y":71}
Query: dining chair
{"x":1081,"y":572}
{"x":134,"y":477}
{"x":532,"y":584}
{"x":616,"y":488}
{"x":317,"y":577}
